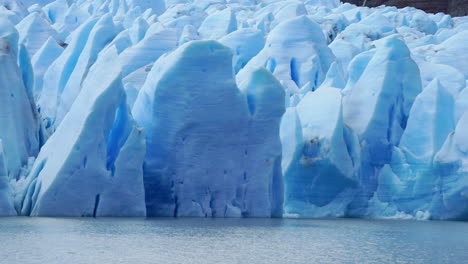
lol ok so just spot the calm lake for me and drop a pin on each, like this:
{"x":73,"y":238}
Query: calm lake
{"x":168,"y":240}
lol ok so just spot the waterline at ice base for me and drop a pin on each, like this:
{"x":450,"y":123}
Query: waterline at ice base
{"x":241,"y":108}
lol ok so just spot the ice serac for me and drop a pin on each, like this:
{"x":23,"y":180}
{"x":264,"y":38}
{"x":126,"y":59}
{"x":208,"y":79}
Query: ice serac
{"x":27,"y":74}
{"x":188,"y":33}
{"x":295,"y":52}
{"x":451,"y":163}
{"x":56,"y":11}
{"x":156,"y":42}
{"x":133,"y":83}
{"x":378,"y":106}
{"x":68,"y":19}
{"x":263,"y":176}
{"x":320,"y":173}
{"x":245,"y":44}
{"x":335,"y":77}
{"x":429,"y":124}
{"x":102,"y":33}
{"x":92,"y":164}
{"x":18,"y":120}
{"x":41,"y":61}
{"x":58,"y":74}
{"x":34,"y":32}
{"x":218,"y":24}
{"x":201,"y":136}
{"x":138,"y":30}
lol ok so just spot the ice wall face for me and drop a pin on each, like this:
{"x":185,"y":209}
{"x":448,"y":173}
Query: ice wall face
{"x":102,"y":33}
{"x":319,"y":165}
{"x":43,"y":58}
{"x":58,"y":74}
{"x":263,"y":175}
{"x":451,"y":165}
{"x":18,"y":117}
{"x":202,"y":156}
{"x":413,"y":170}
{"x":249,"y":108}
{"x":378,"y":106}
{"x":94,"y":159}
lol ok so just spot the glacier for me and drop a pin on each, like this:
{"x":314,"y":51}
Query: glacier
{"x":232,"y":108}
{"x":199,"y":130}
{"x":99,"y":168}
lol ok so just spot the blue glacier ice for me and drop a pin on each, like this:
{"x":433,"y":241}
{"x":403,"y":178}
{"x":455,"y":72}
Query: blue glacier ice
{"x":14,"y":6}
{"x":41,"y":61}
{"x":241,"y":108}
{"x":412,"y":167}
{"x":295,"y":52}
{"x":157,"y":41}
{"x":6,"y":192}
{"x":34,"y":32}
{"x":203,"y":164}
{"x":102,"y":33}
{"x":59,"y":72}
{"x":378,"y":105}
{"x":18,"y":116}
{"x":245,"y":43}
{"x":218,"y":24}
{"x":264,"y":188}
{"x":451,"y":163}
{"x":98,"y":169}
{"x":321,"y":170}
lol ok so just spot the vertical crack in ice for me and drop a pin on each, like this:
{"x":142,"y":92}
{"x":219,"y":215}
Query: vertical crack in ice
{"x":96,"y":204}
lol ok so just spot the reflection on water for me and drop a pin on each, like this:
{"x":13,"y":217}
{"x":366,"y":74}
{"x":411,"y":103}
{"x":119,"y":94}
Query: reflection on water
{"x":193,"y":240}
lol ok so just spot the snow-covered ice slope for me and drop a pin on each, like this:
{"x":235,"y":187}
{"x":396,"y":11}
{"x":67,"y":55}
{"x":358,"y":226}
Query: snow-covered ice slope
{"x":232,"y":108}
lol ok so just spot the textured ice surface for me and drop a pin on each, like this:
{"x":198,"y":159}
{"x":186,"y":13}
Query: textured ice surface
{"x":212,"y":150}
{"x":296,"y":53}
{"x":18,"y":117}
{"x":34,"y":31}
{"x":6,"y":192}
{"x":249,"y":108}
{"x":321,"y":169}
{"x":94,"y":159}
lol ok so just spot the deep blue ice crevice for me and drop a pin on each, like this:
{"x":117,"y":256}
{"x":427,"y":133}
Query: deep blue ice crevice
{"x":299,"y":50}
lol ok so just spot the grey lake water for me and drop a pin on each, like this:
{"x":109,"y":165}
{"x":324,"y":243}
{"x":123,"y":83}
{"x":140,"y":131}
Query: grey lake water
{"x":190,"y":240}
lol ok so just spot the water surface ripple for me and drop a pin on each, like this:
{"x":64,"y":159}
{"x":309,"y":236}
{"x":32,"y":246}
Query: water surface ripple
{"x":192,"y":240}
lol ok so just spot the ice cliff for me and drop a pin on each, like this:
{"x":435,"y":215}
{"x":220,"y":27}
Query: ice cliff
{"x":215,"y":108}
{"x":212,"y":149}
